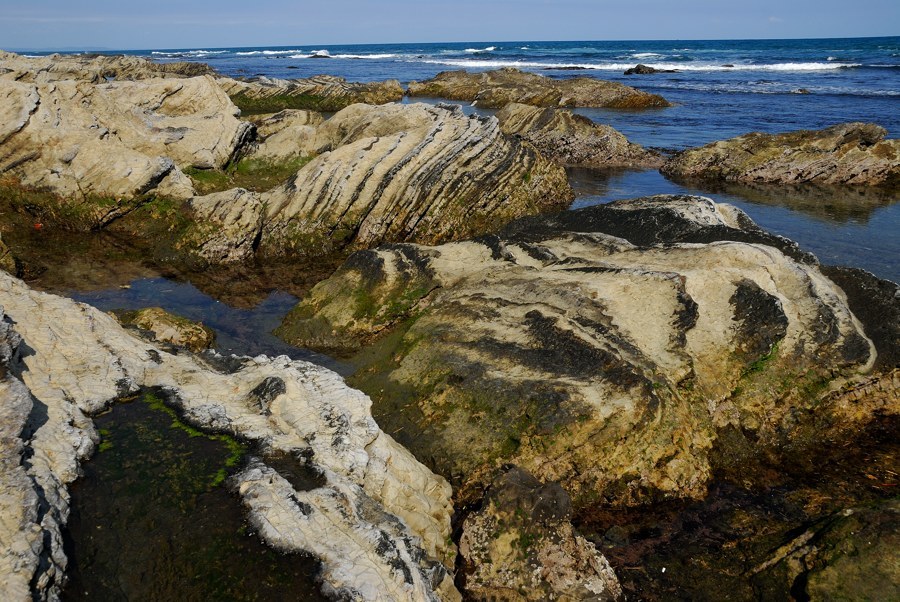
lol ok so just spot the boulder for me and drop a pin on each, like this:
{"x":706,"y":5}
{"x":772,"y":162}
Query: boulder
{"x":572,"y":139}
{"x":496,"y":89}
{"x":849,"y":153}
{"x":92,"y":68}
{"x":169,"y":328}
{"x":115,"y":141}
{"x":319,"y":93}
{"x":286,"y":134}
{"x":520,"y":545}
{"x":379,"y":522}
{"x":645,"y":70}
{"x":606,"y":348}
{"x":387,"y":174}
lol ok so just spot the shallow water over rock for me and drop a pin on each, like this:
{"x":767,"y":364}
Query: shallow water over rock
{"x":153,"y":519}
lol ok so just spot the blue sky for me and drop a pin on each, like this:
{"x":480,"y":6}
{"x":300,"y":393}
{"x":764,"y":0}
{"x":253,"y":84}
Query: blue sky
{"x":119,"y":24}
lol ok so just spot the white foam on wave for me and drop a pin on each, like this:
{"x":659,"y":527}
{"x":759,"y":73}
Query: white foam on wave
{"x":477,"y":50}
{"x":365,"y":56}
{"x":267,"y":52}
{"x":496,"y":64}
{"x":189,"y":52}
{"x":645,"y":55}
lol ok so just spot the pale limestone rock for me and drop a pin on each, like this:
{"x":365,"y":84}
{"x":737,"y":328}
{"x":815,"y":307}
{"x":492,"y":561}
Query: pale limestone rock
{"x":116,"y":140}
{"x":571,"y":139}
{"x":79,"y":359}
{"x":287,"y":134}
{"x":604,"y":348}
{"x":846,"y":154}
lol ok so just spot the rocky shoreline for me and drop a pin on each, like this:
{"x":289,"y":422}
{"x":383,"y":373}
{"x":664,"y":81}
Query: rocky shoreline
{"x":540,"y":398}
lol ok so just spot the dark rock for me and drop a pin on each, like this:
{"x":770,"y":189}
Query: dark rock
{"x":645,"y":70}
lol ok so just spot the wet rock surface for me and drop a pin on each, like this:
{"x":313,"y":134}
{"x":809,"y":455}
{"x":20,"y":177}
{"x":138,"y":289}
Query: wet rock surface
{"x":850,"y":154}
{"x":496,"y":89}
{"x":572,"y":139}
{"x":165,"y":327}
{"x":608,"y":348}
{"x":64,"y":361}
{"x":520,"y":545}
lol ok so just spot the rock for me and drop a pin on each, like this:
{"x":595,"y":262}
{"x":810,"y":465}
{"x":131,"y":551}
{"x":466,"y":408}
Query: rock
{"x":521,"y":546}
{"x":572,"y":139}
{"x":93,"y":68}
{"x":62,"y":361}
{"x":319,"y":93}
{"x":169,"y":328}
{"x":285,"y":134}
{"x":7,"y":260}
{"x":606,"y":348}
{"x":391,"y":173}
{"x":800,"y":91}
{"x":850,"y":153}
{"x":645,"y":70}
{"x":109,"y":143}
{"x":496,"y":89}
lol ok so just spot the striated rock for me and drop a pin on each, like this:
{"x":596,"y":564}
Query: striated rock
{"x":850,"y":153}
{"x":645,"y":70}
{"x":112,"y":142}
{"x":390,"y":173}
{"x":319,"y":93}
{"x":62,"y":361}
{"x":572,"y":139}
{"x":606,"y":348}
{"x":285,"y":134}
{"x":93,"y":68}
{"x":496,"y":89}
{"x":521,"y":546}
{"x":169,"y":328}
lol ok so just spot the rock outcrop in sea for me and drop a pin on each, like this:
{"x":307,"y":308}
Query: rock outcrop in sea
{"x":851,"y":153}
{"x":571,"y":139}
{"x":609,"y":348}
{"x":391,"y":173}
{"x":93,"y":68}
{"x":496,"y":89}
{"x":319,"y":93}
{"x":380,"y":523}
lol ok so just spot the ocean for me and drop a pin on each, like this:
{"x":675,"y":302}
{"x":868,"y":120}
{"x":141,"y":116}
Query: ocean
{"x":722,"y":88}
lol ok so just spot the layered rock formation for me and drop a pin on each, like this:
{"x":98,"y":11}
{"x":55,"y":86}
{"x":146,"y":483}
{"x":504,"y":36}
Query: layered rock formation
{"x":285,"y":134}
{"x":521,"y":546}
{"x":111,"y":142}
{"x":319,"y":93}
{"x":496,"y":89}
{"x":380,"y":523}
{"x":572,"y":139}
{"x":850,"y":153}
{"x":607,"y":348}
{"x":93,"y":68}
{"x":388,"y":173}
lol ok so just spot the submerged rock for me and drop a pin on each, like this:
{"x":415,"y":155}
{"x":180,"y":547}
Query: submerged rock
{"x":114,"y":141}
{"x":496,"y":89}
{"x":520,"y":545}
{"x":384,"y":174}
{"x":645,"y":70}
{"x":849,"y":153}
{"x":319,"y":93}
{"x":62,"y":361}
{"x":169,"y":328}
{"x":572,"y":139}
{"x":607,"y":348}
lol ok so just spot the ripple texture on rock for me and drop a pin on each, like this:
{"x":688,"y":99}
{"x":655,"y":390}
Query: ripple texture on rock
{"x":496,"y":89}
{"x":849,"y":153}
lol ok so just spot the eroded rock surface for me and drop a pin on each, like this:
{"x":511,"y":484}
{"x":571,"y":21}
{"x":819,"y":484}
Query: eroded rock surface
{"x":849,"y":153}
{"x":496,"y":89}
{"x":606,"y":348}
{"x":379,"y":509}
{"x":572,"y":139}
{"x":521,"y":546}
{"x":319,"y":93}
{"x":169,"y":328}
{"x":93,"y":68}
{"x":114,"y":141}
{"x":389,"y":173}
{"x":285,"y":134}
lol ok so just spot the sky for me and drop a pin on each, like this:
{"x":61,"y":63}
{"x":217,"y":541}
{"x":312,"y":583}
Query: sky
{"x":124,"y":25}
